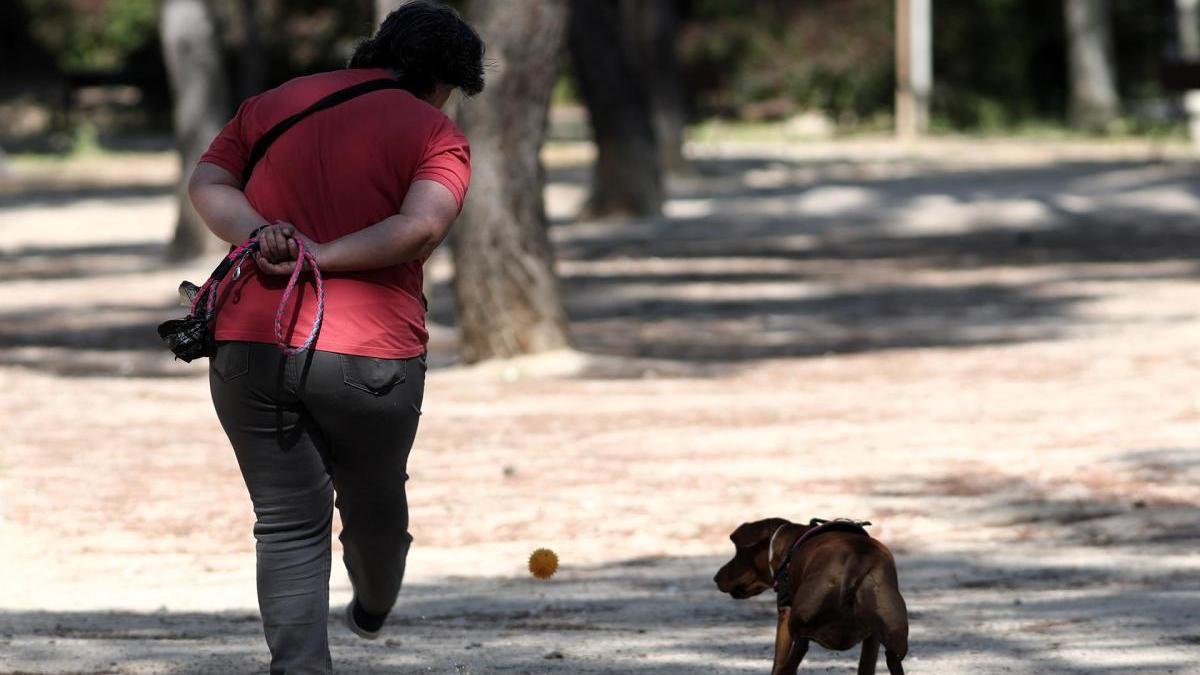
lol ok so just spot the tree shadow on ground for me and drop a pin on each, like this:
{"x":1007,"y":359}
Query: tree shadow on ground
{"x":61,"y":195}
{"x":845,"y":257}
{"x":1044,"y":595}
{"x":102,"y":327}
{"x":46,"y":263}
{"x":664,"y":616}
{"x":776,"y":258}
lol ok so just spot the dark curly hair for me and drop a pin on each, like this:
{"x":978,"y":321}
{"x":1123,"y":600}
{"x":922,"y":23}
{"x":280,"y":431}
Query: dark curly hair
{"x":426,"y":43}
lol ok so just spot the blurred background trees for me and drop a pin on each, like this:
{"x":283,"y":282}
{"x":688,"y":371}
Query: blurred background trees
{"x":999,"y":64}
{"x":82,"y":75}
{"x":507,"y":293}
{"x":626,"y":180}
{"x":200,"y":91}
{"x":1093,"y":103}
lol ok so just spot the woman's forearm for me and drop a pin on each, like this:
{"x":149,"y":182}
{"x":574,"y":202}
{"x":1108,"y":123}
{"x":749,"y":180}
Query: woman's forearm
{"x":424,"y":219}
{"x":222,"y":205}
{"x":392,"y":241}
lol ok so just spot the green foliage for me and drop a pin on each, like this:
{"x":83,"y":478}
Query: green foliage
{"x":565,"y":90}
{"x":998,"y":64}
{"x":92,"y":34}
{"x":86,"y":140}
{"x":770,"y":58}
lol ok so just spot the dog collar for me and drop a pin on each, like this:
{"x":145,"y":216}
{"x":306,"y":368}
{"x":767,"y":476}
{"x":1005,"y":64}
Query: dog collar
{"x":771,"y":550}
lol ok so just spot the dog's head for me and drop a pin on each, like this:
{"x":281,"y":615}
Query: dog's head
{"x":748,"y":574}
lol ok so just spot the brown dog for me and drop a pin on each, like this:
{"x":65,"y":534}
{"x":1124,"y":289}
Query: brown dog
{"x":835,"y":585}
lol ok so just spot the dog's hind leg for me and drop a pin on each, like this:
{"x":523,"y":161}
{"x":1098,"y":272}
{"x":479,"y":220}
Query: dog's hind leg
{"x":893,"y":619}
{"x":870,"y":656}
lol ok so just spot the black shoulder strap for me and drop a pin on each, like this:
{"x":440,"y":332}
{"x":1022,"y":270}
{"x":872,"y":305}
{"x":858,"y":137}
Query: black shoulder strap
{"x":339,"y":96}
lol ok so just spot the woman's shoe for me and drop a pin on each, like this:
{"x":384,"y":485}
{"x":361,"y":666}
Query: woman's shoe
{"x":362,"y":624}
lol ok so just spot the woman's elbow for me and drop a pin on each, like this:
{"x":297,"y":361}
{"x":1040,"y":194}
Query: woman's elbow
{"x":433,"y":234}
{"x":197,"y":186}
{"x":206,"y":176}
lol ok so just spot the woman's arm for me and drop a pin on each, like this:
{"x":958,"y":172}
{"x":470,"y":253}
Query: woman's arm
{"x":423,"y":222}
{"x":218,"y":198}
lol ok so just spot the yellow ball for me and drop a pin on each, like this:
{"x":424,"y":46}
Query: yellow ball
{"x":543,"y":563}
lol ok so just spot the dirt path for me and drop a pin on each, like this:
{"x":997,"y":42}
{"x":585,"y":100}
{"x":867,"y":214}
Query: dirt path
{"x":991,"y":358}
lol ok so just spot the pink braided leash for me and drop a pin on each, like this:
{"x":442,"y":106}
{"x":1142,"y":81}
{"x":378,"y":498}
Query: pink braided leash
{"x":208,"y":293}
{"x":301,"y":256}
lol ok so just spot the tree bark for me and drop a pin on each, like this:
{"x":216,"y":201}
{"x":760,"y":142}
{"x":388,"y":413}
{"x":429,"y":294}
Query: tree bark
{"x":509,"y":300}
{"x":650,"y":30}
{"x":1094,"y":105}
{"x":252,"y":58}
{"x":627,"y":179}
{"x":200,"y":92}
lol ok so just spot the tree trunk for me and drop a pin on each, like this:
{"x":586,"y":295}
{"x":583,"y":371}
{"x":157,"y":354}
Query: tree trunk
{"x":650,"y":30}
{"x":627,"y":180}
{"x":201,"y":101}
{"x":1187,"y":22}
{"x":508,"y":296}
{"x":252,"y":58}
{"x":1094,"y":104}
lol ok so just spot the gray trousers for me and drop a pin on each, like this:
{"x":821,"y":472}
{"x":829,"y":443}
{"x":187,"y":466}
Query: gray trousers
{"x":305,"y":428}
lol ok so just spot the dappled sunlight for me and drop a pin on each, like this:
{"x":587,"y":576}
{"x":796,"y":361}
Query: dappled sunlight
{"x":989,"y":368}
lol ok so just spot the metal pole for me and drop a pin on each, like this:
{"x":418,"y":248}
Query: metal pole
{"x":1187,"y":22}
{"x":914,"y":66}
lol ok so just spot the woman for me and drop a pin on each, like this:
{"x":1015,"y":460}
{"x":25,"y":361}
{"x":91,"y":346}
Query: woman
{"x":370,"y":187}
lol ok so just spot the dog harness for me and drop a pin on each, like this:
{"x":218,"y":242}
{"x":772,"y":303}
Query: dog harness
{"x":817,"y":527}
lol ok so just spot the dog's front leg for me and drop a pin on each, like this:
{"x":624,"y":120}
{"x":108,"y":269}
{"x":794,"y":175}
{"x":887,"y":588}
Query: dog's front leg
{"x":789,"y":652}
{"x":783,"y":640}
{"x":795,"y":656}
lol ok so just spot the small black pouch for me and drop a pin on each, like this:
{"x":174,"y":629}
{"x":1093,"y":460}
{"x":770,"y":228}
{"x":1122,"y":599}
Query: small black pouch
{"x":189,"y":338}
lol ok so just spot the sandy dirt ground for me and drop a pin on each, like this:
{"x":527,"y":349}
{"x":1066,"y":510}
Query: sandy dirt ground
{"x":989,"y":349}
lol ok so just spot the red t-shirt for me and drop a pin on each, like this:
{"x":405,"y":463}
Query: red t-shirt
{"x":335,"y":172}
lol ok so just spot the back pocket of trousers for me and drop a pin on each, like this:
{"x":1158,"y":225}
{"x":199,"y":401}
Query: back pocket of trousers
{"x":374,"y":376}
{"x":231,"y":360}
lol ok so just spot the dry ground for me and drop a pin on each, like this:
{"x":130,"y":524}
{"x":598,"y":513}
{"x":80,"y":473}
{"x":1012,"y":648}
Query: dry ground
{"x":989,"y":349}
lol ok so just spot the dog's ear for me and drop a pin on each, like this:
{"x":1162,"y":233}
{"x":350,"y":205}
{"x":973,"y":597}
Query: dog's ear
{"x":749,"y":534}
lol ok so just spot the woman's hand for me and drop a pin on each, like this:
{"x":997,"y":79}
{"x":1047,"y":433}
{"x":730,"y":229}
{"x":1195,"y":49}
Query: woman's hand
{"x":275,"y":242}
{"x":286,"y":266}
